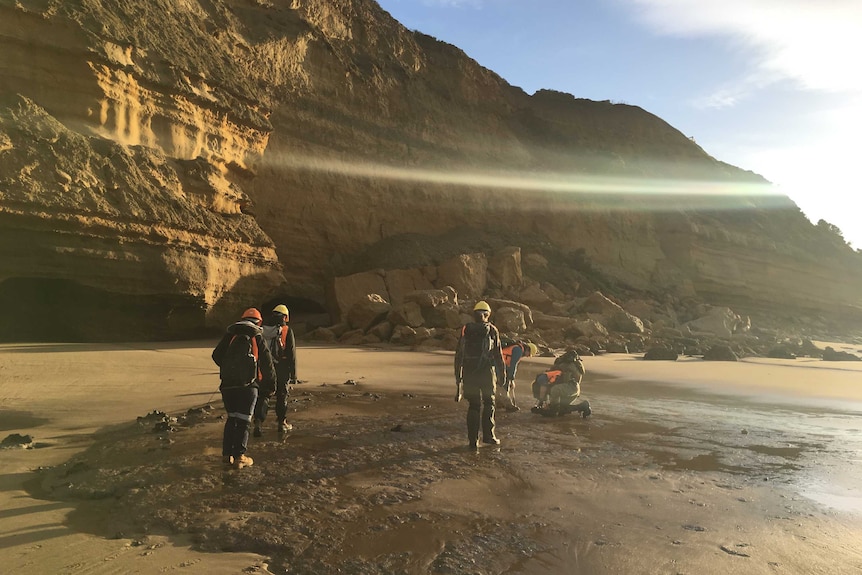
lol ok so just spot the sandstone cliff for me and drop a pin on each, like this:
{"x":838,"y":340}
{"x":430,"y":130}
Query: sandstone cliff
{"x":170,"y":162}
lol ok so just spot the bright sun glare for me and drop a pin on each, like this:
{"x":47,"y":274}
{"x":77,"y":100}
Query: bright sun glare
{"x":602,"y":192}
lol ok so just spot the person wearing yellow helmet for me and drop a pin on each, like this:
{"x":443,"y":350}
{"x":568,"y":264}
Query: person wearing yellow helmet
{"x":513,"y":351}
{"x":478,"y":367}
{"x":282,"y":344}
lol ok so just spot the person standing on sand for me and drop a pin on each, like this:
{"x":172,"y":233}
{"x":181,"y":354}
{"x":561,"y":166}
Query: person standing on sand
{"x":512,"y":354}
{"x":245,"y":365}
{"x":478,"y":367}
{"x":282,"y":346}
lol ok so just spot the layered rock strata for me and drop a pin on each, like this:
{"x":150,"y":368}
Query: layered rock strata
{"x":229,"y":153}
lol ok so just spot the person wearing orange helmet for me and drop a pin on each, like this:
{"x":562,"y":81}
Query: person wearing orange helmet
{"x":282,"y":346}
{"x":245,"y":365}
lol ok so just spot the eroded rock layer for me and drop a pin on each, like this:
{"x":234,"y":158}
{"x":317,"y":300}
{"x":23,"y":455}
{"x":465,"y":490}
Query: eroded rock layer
{"x":183,"y":160}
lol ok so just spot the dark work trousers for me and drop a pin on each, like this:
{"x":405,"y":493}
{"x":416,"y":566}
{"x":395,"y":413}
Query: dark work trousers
{"x":282,"y":391}
{"x":239,"y":403}
{"x":565,"y":398}
{"x":479,"y":389}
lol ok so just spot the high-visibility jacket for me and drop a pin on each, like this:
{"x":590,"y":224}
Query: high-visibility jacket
{"x":512,"y":354}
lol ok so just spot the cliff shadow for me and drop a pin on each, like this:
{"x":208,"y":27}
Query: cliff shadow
{"x":62,"y":310}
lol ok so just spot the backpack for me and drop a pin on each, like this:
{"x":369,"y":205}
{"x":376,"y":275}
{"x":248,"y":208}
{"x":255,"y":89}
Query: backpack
{"x":239,"y":366}
{"x":478,"y":343}
{"x":275,"y":337}
{"x":571,"y":358}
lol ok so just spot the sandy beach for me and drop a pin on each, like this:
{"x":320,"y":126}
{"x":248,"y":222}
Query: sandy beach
{"x":685,"y":467}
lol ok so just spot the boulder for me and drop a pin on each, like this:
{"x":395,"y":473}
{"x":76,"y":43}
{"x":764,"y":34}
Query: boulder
{"x":617,"y":347}
{"x":596,"y":302}
{"x":510,"y":320}
{"x":423,"y":334}
{"x":16,"y":440}
{"x":497,"y":303}
{"x":403,"y":335}
{"x":553,"y":292}
{"x":505,"y":268}
{"x":353,"y":337}
{"x":368,"y":311}
{"x":536,"y":298}
{"x":382,"y":331}
{"x":666,"y":332}
{"x":830,"y":354}
{"x":445,"y":315}
{"x":401,"y":282}
{"x":340,"y":329}
{"x":428,"y":298}
{"x":437,"y":307}
{"x":588,"y":328}
{"x":720,"y":353}
{"x":544,"y":321}
{"x":345,"y":291}
{"x":719,"y":321}
{"x":323,"y":334}
{"x":808,"y":348}
{"x":535,"y":260}
{"x":406,"y":313}
{"x":467,"y":273}
{"x":781,"y":352}
{"x":452,"y":293}
{"x":624,"y":322}
{"x":661,"y":354}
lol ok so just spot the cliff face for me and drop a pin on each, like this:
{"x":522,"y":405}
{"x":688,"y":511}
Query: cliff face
{"x":172,"y":162}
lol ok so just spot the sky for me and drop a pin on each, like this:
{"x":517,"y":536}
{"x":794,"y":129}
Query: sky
{"x":771,"y":86}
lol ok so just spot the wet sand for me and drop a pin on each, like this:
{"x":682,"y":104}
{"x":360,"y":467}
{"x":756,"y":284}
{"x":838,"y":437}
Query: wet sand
{"x":685,"y":467}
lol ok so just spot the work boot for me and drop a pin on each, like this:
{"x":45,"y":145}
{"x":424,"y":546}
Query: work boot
{"x":511,"y":408}
{"x":243,"y":461}
{"x":586,"y":413}
{"x":227,"y":459}
{"x":284,"y":427}
{"x":473,"y":445}
{"x":256,"y":431}
{"x":491,"y":440}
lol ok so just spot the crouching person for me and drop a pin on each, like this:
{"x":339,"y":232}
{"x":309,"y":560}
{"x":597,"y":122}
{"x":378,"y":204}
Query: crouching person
{"x":245,"y":365}
{"x":558,"y":390}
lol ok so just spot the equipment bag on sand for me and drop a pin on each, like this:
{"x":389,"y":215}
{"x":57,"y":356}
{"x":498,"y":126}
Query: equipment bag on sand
{"x":478,"y":343}
{"x":239,"y":367}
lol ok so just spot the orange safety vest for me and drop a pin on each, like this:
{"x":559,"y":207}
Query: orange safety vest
{"x":507,"y":353}
{"x":553,"y":375}
{"x":284,"y":336}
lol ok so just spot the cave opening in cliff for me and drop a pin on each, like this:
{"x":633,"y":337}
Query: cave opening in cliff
{"x":62,"y":310}
{"x":305,"y":314}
